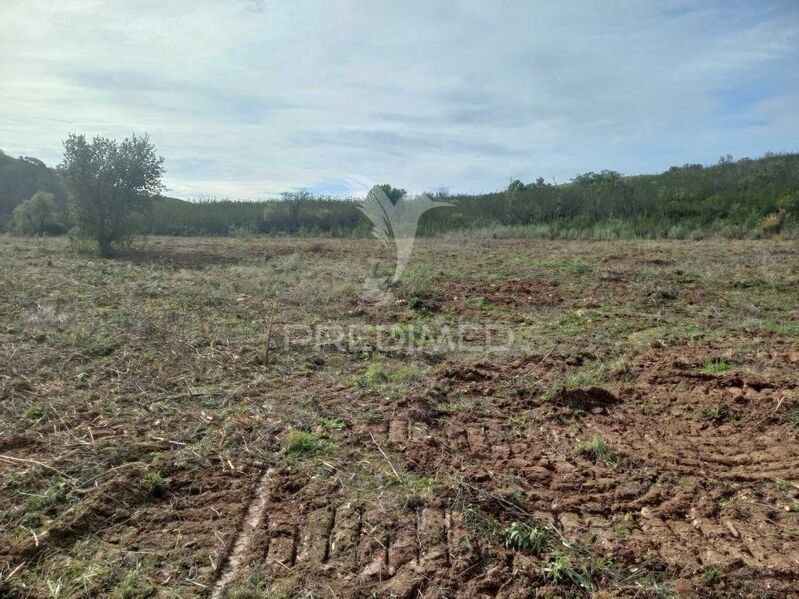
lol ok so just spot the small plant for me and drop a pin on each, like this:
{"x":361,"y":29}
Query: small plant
{"x":721,"y":414}
{"x":479,"y":525}
{"x":711,"y":575}
{"x":302,"y":444}
{"x":623,"y":531}
{"x":51,"y":500}
{"x":524,"y":537}
{"x":714,"y":366}
{"x":130,"y":588}
{"x":34,"y":413}
{"x":154,"y":483}
{"x":416,"y":483}
{"x":595,"y":448}
{"x":784,"y":485}
{"x":562,"y":570}
{"x":549,"y":394}
{"x":375,"y":374}
{"x":334,"y":424}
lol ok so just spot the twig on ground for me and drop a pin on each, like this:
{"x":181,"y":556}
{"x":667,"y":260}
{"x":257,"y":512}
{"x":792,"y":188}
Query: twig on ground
{"x":380,"y":449}
{"x":37,"y":463}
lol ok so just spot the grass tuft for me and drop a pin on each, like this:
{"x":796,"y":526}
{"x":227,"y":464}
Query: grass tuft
{"x":714,"y":366}
{"x":595,"y":448}
{"x":302,"y":444}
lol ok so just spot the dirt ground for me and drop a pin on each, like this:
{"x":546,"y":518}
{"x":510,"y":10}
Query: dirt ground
{"x":163,"y":434}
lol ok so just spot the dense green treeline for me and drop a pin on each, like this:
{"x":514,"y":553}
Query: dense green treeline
{"x":296,"y":214}
{"x":732,"y":198}
{"x":20,"y":179}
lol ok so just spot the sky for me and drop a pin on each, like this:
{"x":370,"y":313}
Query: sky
{"x":250,"y":98}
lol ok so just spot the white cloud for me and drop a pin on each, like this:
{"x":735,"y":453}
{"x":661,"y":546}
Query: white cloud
{"x":249,"y":98}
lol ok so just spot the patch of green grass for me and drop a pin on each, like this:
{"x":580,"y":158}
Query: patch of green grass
{"x":49,"y":502}
{"x":529,"y":538}
{"x":623,"y":531}
{"x":484,"y":304}
{"x":302,"y":444}
{"x":131,"y":588}
{"x":254,"y":587}
{"x":416,"y":286}
{"x":784,"y":485}
{"x":549,"y":394}
{"x":580,"y":379}
{"x":408,"y":333}
{"x":154,"y":484}
{"x":573,"y":266}
{"x":714,"y":366}
{"x":35,"y":413}
{"x":483,"y":527}
{"x":377,"y":374}
{"x":711,"y":576}
{"x":572,"y":324}
{"x":790,"y":418}
{"x":334,"y":424}
{"x":415,"y":483}
{"x":595,"y":448}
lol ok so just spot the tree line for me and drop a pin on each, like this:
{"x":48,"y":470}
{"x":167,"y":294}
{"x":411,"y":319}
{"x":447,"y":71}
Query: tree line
{"x":108,"y":190}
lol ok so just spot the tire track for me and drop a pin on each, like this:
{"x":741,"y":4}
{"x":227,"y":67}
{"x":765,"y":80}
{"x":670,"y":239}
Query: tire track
{"x":243,"y":543}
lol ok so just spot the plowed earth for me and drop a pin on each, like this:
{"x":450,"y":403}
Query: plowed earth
{"x":645,"y":424}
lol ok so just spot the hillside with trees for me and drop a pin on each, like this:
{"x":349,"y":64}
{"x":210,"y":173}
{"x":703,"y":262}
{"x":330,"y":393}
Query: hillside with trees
{"x":733,"y":198}
{"x":20,"y":179}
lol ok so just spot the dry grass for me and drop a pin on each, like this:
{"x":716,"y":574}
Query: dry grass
{"x":129,"y":386}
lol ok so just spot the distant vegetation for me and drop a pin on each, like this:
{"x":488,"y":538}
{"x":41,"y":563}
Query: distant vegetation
{"x":733,"y":198}
{"x":20,"y":179}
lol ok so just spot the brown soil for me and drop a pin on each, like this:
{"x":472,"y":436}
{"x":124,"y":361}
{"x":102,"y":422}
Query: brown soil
{"x":415,"y":480}
{"x":693,"y":494}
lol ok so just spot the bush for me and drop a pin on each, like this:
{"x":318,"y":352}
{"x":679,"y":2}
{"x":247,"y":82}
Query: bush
{"x":38,"y":215}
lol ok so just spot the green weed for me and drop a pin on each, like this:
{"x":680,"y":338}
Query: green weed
{"x":714,"y":366}
{"x":566,"y":569}
{"x":154,"y":484}
{"x":524,"y":537}
{"x":302,"y":444}
{"x":130,"y":588}
{"x":595,"y":448}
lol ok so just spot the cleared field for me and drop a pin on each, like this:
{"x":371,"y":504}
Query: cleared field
{"x":639,"y":437}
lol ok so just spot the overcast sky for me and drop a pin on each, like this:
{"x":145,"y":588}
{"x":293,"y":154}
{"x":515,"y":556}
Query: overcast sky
{"x":248,"y":98}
